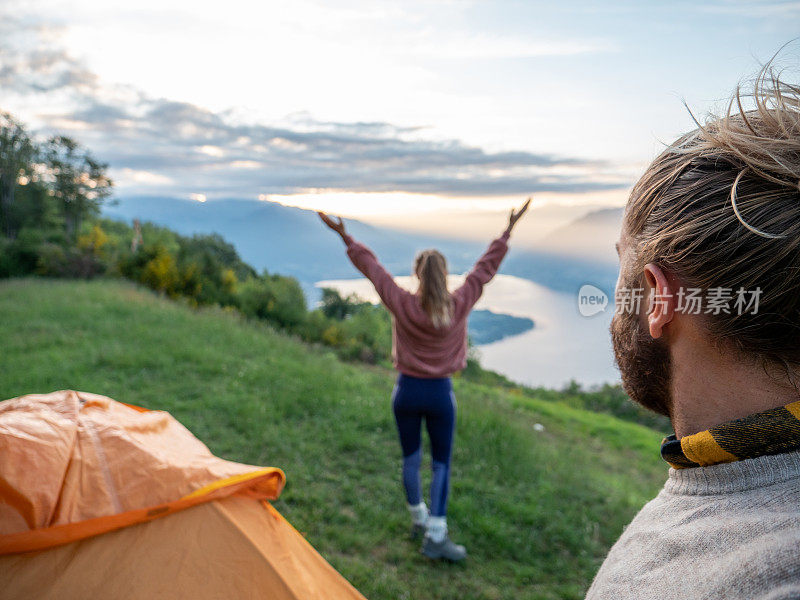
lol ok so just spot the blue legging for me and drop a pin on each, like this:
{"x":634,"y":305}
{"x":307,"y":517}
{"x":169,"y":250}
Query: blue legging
{"x":412,"y":399}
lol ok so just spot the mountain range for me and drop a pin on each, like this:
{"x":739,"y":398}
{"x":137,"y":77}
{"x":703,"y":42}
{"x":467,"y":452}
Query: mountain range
{"x":293,"y":241}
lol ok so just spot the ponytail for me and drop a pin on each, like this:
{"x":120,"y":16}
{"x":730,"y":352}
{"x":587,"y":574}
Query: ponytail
{"x":431,"y":269}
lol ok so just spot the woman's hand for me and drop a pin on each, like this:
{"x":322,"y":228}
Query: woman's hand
{"x":515,"y":216}
{"x":337,"y":227}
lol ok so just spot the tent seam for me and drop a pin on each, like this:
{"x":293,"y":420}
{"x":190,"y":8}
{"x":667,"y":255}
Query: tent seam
{"x":101,"y":455}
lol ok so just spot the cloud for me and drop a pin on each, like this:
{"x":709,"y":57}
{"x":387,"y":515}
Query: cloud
{"x":482,"y":46}
{"x":762,"y":8}
{"x":38,"y":68}
{"x":180,"y":146}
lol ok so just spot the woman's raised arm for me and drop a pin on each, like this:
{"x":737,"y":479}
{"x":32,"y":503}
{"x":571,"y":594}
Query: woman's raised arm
{"x":487,"y":265}
{"x":365,"y":261}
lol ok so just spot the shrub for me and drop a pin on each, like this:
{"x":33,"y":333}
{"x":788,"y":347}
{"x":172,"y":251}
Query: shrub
{"x":273,"y":297}
{"x":160,"y":273}
{"x":93,"y":241}
{"x":55,"y":260}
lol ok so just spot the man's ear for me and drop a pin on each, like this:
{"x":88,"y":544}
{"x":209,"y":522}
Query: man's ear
{"x":661,"y":299}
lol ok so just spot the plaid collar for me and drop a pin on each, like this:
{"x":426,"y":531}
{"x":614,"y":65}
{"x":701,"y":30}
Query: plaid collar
{"x":773,"y":431}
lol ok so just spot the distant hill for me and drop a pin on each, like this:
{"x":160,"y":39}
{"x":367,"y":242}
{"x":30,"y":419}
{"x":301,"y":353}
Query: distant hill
{"x":593,"y":235}
{"x":580,"y":252}
{"x":486,"y":326}
{"x":291,"y":241}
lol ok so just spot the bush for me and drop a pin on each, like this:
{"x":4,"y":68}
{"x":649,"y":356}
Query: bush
{"x":24,"y":252}
{"x":313,"y":327}
{"x":333,"y":336}
{"x":55,"y":260}
{"x":370,"y":330}
{"x":93,"y":241}
{"x":275,"y":298}
{"x":336,"y":306}
{"x":160,"y":273}
{"x":213,"y":262}
{"x":7,"y":263}
{"x":43,"y":252}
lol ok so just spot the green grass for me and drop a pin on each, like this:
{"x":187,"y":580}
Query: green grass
{"x":537,"y":510}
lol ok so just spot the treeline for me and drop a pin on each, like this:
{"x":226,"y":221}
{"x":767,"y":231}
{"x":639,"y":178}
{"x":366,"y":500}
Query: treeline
{"x":47,"y":191}
{"x":207,"y":270}
{"x":51,"y":196}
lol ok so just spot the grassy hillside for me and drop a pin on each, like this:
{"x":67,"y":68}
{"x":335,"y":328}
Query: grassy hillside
{"x":537,"y":510}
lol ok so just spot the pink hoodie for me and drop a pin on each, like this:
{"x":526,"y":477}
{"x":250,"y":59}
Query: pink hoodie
{"x":418,"y":348}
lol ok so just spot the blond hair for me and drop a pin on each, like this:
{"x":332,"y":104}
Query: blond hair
{"x":431,"y":269}
{"x":720,"y":208}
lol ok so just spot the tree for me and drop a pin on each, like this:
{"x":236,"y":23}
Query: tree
{"x":276,"y":298}
{"x":77,"y":181}
{"x":17,"y":153}
{"x":336,"y":306}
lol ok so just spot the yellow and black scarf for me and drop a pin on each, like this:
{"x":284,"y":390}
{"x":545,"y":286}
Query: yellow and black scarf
{"x":773,"y":431}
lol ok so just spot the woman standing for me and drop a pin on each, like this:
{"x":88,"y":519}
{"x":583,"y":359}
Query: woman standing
{"x":429,"y":344}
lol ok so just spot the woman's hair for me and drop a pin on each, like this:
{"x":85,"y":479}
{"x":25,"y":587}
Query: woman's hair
{"x":720,"y":208}
{"x":431,"y":269}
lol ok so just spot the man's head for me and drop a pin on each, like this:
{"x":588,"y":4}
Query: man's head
{"x":718,"y":211}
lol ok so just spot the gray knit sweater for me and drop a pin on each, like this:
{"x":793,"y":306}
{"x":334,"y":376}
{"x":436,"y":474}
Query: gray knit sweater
{"x":725,"y":531}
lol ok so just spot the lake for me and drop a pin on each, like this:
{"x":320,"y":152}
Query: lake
{"x":563,"y":344}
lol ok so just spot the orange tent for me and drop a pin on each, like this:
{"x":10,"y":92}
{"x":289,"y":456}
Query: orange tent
{"x":100,"y":499}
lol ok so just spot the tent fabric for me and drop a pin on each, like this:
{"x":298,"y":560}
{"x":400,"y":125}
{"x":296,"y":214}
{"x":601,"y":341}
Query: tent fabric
{"x":231,"y":548}
{"x":104,"y":499}
{"x":74,"y":464}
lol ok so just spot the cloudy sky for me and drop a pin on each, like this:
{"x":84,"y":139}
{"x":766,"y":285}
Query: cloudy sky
{"x":429,"y":114}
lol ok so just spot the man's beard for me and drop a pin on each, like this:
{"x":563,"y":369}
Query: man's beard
{"x":644,"y":362}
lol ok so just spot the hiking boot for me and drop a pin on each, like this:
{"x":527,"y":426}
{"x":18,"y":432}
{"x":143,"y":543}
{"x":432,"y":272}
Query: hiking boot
{"x":445,"y":549}
{"x":417,"y":530}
